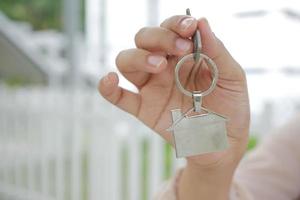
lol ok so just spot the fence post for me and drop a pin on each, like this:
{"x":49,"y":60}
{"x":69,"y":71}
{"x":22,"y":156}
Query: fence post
{"x":59,"y":135}
{"x":156,"y":164}
{"x":76,"y":152}
{"x":45,"y":136}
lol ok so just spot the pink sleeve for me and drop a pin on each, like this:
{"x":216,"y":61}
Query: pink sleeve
{"x":269,"y":172}
{"x":272,"y":171}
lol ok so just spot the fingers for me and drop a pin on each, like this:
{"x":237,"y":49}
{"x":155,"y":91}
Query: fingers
{"x":162,"y":39}
{"x":183,"y":25}
{"x":140,"y":60}
{"x":214,"y":48}
{"x":169,"y":39}
{"x":136,"y":64}
{"x":124,"y":99}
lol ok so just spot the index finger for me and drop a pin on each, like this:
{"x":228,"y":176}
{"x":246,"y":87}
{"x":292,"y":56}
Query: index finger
{"x":183,"y":25}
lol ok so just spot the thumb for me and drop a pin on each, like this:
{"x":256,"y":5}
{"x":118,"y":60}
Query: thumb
{"x":122,"y":98}
{"x":215,"y":49}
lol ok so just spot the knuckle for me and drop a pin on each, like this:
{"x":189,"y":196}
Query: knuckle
{"x":173,"y":21}
{"x":178,"y":19}
{"x":220,"y":43}
{"x":165,"y":22}
{"x":243,"y":73}
{"x":156,"y":38}
{"x":139,"y":35}
{"x":118,"y":59}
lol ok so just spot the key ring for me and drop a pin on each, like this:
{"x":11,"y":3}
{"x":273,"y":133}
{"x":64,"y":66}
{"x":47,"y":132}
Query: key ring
{"x":197,"y":55}
{"x":210,"y":63}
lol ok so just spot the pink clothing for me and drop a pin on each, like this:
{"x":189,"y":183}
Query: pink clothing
{"x":271,"y":171}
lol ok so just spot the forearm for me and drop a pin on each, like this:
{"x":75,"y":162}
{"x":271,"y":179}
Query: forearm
{"x":198,"y":184}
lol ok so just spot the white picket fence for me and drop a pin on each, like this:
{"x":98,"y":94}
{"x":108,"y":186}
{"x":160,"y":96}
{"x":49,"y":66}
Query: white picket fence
{"x":58,"y":145}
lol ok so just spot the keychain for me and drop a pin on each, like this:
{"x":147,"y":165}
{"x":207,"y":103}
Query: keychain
{"x":204,"y":132}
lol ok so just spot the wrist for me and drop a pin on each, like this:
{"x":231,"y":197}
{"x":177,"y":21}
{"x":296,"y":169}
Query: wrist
{"x":209,"y":176}
{"x":220,"y":175}
{"x":204,"y":183}
{"x":209,"y":180}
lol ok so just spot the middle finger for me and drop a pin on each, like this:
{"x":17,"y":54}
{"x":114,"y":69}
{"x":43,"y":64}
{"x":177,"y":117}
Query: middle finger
{"x":162,"y":39}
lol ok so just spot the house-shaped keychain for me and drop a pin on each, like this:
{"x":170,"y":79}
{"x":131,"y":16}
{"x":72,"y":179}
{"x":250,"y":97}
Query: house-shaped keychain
{"x":204,"y":132}
{"x":199,"y":134}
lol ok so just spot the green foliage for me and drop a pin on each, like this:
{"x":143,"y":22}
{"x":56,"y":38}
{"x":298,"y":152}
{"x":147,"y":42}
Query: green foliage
{"x":42,"y":14}
{"x":168,"y":160}
{"x":252,"y":142}
{"x":15,"y":82}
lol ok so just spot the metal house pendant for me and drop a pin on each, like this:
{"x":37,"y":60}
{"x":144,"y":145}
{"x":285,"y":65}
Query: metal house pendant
{"x":199,"y":134}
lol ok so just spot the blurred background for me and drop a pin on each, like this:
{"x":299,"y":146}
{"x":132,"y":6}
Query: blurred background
{"x":60,"y":140}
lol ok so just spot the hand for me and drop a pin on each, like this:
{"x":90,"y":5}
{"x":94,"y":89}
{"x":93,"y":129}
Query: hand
{"x":150,"y":67}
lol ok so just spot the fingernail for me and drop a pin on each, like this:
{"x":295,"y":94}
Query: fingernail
{"x":186,"y":23}
{"x":182,"y":44}
{"x":155,"y":60}
{"x":106,"y":80}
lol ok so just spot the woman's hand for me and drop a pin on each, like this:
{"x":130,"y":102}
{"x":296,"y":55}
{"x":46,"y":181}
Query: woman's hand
{"x":150,"y":67}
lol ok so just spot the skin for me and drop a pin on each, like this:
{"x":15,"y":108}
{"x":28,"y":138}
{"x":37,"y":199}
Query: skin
{"x":205,"y":176}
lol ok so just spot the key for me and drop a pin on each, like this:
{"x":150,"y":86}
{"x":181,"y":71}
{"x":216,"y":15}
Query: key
{"x":198,"y":130}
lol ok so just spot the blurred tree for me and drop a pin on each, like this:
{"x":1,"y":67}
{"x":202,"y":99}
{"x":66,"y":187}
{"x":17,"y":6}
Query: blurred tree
{"x":42,"y":14}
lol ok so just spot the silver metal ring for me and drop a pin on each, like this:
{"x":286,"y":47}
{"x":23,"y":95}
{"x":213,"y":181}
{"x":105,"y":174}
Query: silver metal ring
{"x":210,"y":63}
